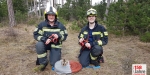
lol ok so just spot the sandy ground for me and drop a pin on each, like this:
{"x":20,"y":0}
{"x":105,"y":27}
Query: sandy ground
{"x":18,"y":54}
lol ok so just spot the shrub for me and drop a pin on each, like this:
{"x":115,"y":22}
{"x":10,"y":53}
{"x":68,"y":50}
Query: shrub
{"x":20,"y":18}
{"x":62,"y":20}
{"x":145,"y":37}
{"x":74,"y":26}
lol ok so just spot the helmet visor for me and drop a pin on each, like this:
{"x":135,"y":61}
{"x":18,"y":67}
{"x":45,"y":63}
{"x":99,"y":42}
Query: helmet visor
{"x":91,"y":12}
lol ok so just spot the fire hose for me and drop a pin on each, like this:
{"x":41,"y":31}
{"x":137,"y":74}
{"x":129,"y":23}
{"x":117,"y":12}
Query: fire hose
{"x":71,"y":67}
{"x":53,"y":39}
{"x":83,"y":44}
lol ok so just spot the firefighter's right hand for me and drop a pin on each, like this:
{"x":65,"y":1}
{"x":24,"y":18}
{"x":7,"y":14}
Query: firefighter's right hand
{"x":48,"y":41}
{"x":88,"y":45}
{"x":81,"y":40}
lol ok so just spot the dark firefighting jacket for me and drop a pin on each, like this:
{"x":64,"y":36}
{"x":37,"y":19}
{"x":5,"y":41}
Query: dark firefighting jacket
{"x":99,"y":33}
{"x":44,"y":31}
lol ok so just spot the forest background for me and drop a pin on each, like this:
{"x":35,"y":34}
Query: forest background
{"x":122,"y":17}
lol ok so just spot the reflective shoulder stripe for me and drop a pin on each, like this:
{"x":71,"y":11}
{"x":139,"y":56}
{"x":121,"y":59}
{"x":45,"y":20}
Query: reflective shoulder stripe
{"x":93,"y":58}
{"x":56,"y":46}
{"x":99,"y":42}
{"x":85,"y":32}
{"x":39,"y":38}
{"x":42,"y":55}
{"x":106,"y":33}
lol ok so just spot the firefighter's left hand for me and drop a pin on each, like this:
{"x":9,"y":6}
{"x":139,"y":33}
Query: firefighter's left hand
{"x":56,"y":36}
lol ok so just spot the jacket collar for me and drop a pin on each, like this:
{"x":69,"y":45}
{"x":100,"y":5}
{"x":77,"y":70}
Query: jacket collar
{"x":55,"y":24}
{"x":87,"y":26}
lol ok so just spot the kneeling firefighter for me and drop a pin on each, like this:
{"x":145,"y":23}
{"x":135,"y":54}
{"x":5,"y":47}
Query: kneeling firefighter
{"x":50,"y":34}
{"x":91,"y":38}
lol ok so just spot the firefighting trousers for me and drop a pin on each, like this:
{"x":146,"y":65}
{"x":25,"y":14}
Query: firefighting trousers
{"x":54,"y":53}
{"x":84,"y":57}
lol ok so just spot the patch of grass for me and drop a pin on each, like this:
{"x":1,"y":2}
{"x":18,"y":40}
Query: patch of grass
{"x":1,"y":25}
{"x":4,"y":23}
{"x":145,"y":37}
{"x":148,"y":71}
{"x":117,"y":33}
{"x":9,"y":35}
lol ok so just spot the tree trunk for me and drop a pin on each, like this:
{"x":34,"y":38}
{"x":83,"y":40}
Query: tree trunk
{"x":27,"y":6}
{"x":35,"y":8}
{"x":62,"y":2}
{"x":11,"y":13}
{"x":39,"y":8}
{"x":55,"y":4}
{"x":106,"y":12}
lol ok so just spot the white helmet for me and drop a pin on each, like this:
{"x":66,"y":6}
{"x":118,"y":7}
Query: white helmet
{"x":50,"y":10}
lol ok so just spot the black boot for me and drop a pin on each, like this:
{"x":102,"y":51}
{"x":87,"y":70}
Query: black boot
{"x":101,"y":59}
{"x":43,"y":67}
{"x":40,"y":67}
{"x":95,"y":63}
{"x":37,"y":62}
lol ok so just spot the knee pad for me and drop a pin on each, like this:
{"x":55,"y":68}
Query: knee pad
{"x":40,"y":44}
{"x":96,"y":50}
{"x":40,"y":48}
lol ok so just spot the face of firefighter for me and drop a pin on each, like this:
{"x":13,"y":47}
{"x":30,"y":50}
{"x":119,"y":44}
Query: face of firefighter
{"x":91,"y":19}
{"x":51,"y":17}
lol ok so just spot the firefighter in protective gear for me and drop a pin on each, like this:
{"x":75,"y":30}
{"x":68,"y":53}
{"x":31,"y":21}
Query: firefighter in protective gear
{"x":50,"y":34}
{"x":91,"y":38}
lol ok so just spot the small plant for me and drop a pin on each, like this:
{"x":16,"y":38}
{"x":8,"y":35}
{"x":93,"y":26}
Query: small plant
{"x":145,"y":37}
{"x":1,"y":25}
{"x":74,"y":26}
{"x":31,"y":22}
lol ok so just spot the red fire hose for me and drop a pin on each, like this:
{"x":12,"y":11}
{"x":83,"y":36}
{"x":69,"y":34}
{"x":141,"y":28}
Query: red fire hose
{"x":75,"y":66}
{"x":70,"y":67}
{"x":53,"y":39}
